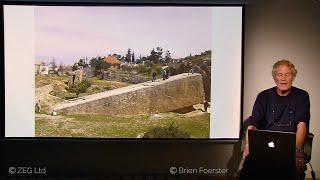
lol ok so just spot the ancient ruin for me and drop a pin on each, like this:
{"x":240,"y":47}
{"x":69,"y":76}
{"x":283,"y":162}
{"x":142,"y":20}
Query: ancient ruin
{"x":177,"y":92}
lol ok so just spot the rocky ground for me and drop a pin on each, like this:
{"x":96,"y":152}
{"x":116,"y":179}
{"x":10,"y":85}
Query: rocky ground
{"x":45,"y":100}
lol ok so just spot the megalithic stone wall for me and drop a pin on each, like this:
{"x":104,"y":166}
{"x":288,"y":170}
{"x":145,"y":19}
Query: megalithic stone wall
{"x":177,"y":92}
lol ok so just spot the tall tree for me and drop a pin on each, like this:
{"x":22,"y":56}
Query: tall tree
{"x":83,"y":62}
{"x":99,"y":64}
{"x":75,"y":66}
{"x":132,"y":59}
{"x":128,"y":56}
{"x":53,"y":64}
{"x":61,"y":67}
{"x":156,"y":55}
{"x":167,"y":57}
{"x":153,"y":56}
{"x":159,"y":53}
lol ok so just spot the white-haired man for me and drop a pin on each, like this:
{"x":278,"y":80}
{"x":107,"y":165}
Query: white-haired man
{"x":281,"y":108}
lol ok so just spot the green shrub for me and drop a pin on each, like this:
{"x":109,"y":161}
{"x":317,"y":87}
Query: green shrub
{"x":70,"y":96}
{"x":59,"y":94}
{"x":142,"y":68}
{"x":148,"y":68}
{"x":166,"y":132}
{"x":79,"y":88}
{"x":107,"y":87}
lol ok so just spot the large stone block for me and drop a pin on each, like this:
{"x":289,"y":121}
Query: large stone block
{"x":175,"y":93}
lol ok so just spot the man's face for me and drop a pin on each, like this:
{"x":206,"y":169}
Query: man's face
{"x":284,"y":78}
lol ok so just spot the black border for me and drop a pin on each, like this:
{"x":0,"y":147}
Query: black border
{"x":2,"y":89}
{"x":136,"y":2}
{"x":242,"y":73}
{"x":198,"y":3}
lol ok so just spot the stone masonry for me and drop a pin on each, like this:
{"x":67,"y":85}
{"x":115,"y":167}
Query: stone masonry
{"x":177,"y":92}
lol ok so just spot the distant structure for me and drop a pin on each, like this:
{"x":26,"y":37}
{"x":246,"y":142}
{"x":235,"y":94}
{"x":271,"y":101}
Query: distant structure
{"x":37,"y":65}
{"x":42,"y":68}
{"x":112,"y":61}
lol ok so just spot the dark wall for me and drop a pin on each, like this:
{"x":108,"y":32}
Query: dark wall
{"x":284,"y":29}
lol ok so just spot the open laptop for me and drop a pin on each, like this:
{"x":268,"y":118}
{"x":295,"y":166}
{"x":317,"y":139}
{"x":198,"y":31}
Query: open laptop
{"x":273,"y":150}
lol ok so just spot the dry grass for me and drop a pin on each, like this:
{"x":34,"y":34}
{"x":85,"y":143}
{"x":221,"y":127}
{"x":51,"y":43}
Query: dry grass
{"x":102,"y":126}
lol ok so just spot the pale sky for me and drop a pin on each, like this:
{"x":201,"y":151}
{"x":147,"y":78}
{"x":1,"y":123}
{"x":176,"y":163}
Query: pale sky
{"x":70,"y":33}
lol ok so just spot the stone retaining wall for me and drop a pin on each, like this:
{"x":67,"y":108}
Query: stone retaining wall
{"x":177,"y":92}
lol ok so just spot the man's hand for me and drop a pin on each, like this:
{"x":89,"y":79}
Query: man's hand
{"x":300,"y":138}
{"x":301,"y":134}
{"x":300,"y":164}
{"x":245,"y":151}
{"x":246,"y":147}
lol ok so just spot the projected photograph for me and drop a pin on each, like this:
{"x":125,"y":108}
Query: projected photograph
{"x":123,"y":72}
